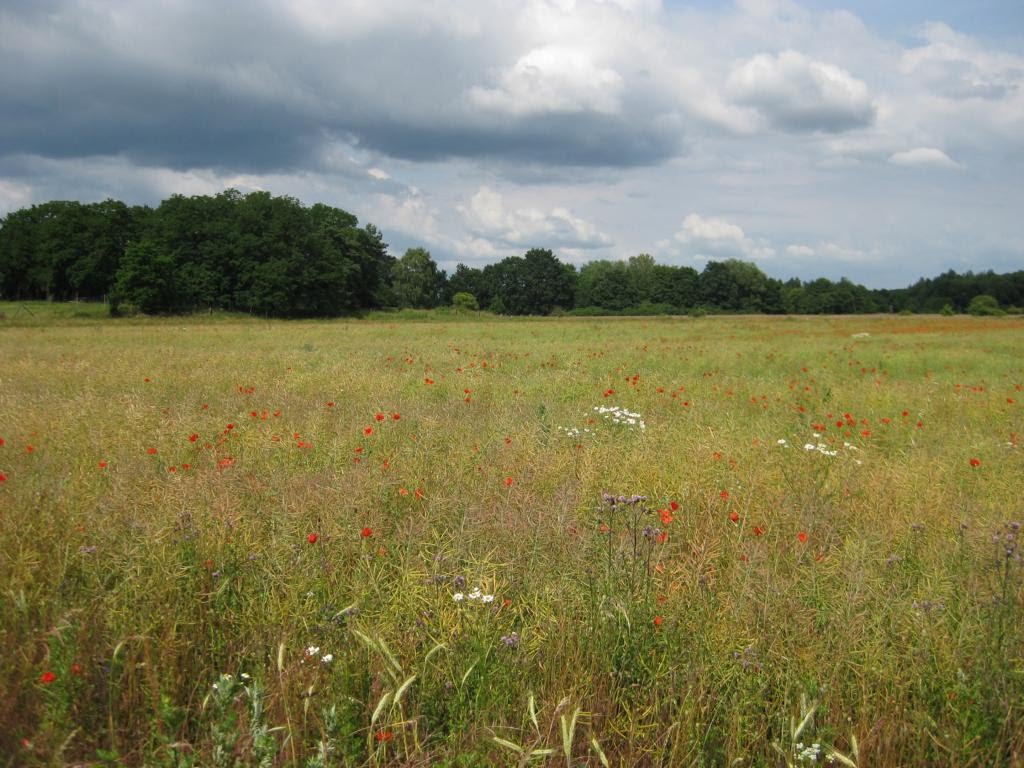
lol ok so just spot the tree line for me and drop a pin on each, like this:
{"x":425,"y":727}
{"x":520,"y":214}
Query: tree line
{"x":273,"y":256}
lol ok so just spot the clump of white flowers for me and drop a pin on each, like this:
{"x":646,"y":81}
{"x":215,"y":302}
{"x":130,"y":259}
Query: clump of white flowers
{"x":476,"y":594}
{"x":825,"y":449}
{"x":575,"y":431}
{"x":809,"y":753}
{"x":313,"y":651}
{"x":620,"y":416}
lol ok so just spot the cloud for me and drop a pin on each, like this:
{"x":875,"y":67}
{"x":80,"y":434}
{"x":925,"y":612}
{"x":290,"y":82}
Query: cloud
{"x":826,"y":252}
{"x":794,"y":93}
{"x":923,"y":157}
{"x":552,"y":79}
{"x":488,"y":218}
{"x":718,"y":238}
{"x":956,"y":67}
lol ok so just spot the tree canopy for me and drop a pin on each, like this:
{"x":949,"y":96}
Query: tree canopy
{"x":273,"y":256}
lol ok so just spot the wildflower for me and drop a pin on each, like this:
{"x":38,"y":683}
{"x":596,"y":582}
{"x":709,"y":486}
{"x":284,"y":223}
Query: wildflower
{"x":327,"y":658}
{"x":508,"y":481}
{"x":151,"y":451}
{"x":734,"y":516}
{"x":383,"y":736}
{"x":366,"y":533}
{"x":802,"y":537}
{"x":368,"y":431}
{"x":458,"y":597}
{"x":975,"y":462}
{"x":658,"y":621}
{"x":312,"y":538}
{"x":379,"y":416}
{"x":193,"y":437}
{"x":3,"y":477}
{"x":487,"y":598}
{"x":758,"y":530}
{"x":396,"y":416}
{"x":47,"y":677}
{"x":76,"y":669}
{"x":511,"y":640}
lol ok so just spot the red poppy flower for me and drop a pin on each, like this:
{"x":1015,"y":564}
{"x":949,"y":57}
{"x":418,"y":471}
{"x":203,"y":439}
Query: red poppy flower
{"x":658,"y":621}
{"x":509,"y":481}
{"x":724,"y":495}
{"x":330,"y":403}
{"x":367,"y":532}
{"x":383,"y":736}
{"x":758,"y":530}
{"x":428,"y":381}
{"x":312,"y":538}
{"x":666,"y":516}
{"x":802,"y":536}
{"x":76,"y":669}
{"x":975,"y":462}
{"x":47,"y":677}
{"x":193,"y":437}
{"x":1,"y":442}
{"x":102,"y":464}
{"x":151,"y":451}
{"x":403,"y":491}
{"x":3,"y":477}
{"x":379,"y":416}
{"x":734,"y":516}
{"x":368,"y":431}
{"x":419,"y":493}
{"x":674,"y":505}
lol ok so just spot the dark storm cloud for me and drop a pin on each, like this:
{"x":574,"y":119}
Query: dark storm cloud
{"x":256,"y":92}
{"x":560,"y":140}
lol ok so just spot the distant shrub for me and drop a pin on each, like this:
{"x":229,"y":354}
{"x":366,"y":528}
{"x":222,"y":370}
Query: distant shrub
{"x":589,"y":312}
{"x":947,"y":310}
{"x":465,"y":301}
{"x":649,"y":308}
{"x":983,"y":304}
{"x":697,"y":311}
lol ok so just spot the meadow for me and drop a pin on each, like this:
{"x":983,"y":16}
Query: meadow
{"x":454,"y":541}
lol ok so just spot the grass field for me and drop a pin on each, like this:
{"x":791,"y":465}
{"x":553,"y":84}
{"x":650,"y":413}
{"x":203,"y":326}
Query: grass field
{"x":421,"y":542}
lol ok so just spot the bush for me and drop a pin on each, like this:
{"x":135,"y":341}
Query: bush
{"x":465,"y":301}
{"x":983,"y":304}
{"x":947,"y":310}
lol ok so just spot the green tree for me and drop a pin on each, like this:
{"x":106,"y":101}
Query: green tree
{"x":416,"y":281}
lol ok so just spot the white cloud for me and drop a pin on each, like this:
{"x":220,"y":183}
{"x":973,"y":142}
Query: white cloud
{"x":831,"y":252}
{"x":923,"y":157}
{"x":487,"y":217}
{"x":715,"y":237}
{"x":552,"y":79}
{"x":799,"y":250}
{"x":794,"y":93}
{"x":13,"y":195}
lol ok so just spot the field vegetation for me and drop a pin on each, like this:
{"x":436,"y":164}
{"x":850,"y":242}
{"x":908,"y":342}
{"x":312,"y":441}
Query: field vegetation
{"x":470,"y":541}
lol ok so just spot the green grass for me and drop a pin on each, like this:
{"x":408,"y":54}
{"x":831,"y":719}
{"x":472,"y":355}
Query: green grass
{"x":891,"y":630}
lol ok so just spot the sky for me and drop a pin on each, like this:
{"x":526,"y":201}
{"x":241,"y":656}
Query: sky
{"x":876,"y":140}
